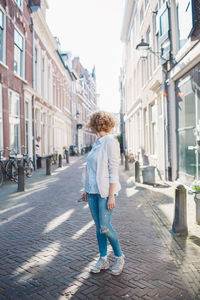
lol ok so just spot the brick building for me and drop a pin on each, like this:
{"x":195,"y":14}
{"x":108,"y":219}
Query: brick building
{"x":15,"y":73}
{"x":52,"y":85}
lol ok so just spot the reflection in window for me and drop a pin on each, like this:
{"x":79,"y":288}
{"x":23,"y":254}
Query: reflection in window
{"x":14,"y":120}
{"x":18,"y":53}
{"x":185,"y":22}
{"x":1,"y":35}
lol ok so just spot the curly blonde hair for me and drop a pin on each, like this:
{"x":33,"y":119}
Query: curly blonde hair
{"x":101,"y":121}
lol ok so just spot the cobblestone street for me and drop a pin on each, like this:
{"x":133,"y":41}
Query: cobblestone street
{"x":48,"y":244}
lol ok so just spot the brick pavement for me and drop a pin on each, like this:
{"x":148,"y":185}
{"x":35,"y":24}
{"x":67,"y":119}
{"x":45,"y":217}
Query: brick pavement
{"x":48,"y":245}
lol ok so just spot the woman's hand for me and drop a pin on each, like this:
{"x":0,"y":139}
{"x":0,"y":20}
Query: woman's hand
{"x":84,"y":197}
{"x":111,"y":202}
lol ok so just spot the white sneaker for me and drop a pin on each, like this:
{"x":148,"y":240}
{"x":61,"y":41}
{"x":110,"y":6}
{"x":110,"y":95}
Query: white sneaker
{"x":102,"y":264}
{"x":118,"y":265}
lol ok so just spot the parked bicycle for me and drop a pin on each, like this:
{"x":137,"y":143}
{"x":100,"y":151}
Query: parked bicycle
{"x":2,"y":166}
{"x":28,"y":165}
{"x":9,"y":168}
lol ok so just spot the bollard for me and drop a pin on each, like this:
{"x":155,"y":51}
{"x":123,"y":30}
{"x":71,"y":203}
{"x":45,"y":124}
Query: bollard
{"x":48,"y":166}
{"x":126,"y":163}
{"x":137,"y":171}
{"x":179,"y":226}
{"x":21,"y":179}
{"x":60,"y":161}
{"x":122,"y":159}
{"x":67,"y":157}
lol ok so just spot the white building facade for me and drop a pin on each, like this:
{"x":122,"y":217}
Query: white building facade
{"x":161,"y":94}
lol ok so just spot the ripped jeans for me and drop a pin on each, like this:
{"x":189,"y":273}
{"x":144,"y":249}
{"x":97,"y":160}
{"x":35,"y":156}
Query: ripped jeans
{"x":104,"y":230}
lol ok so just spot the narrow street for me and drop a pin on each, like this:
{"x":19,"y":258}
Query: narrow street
{"x":48,"y":244}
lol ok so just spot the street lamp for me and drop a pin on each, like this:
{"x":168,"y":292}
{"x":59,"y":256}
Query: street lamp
{"x":144,"y":49}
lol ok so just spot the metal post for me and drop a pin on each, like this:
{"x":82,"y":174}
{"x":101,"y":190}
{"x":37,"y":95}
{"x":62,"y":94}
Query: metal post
{"x":137,"y":171}
{"x":60,"y":161}
{"x":179,"y":226}
{"x":126,"y":162}
{"x":122,"y":159}
{"x":21,"y":179}
{"x":67,"y":157}
{"x":48,"y":166}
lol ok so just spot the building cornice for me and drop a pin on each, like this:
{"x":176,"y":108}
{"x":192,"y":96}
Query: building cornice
{"x":127,"y":19}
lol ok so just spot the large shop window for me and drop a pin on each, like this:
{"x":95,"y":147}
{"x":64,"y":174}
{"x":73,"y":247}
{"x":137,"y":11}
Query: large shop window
{"x":19,"y":3}
{"x":2,"y":41}
{"x":14,"y":120}
{"x":184,"y":12}
{"x":1,"y":119}
{"x":188,"y":101}
{"x":18,"y":54}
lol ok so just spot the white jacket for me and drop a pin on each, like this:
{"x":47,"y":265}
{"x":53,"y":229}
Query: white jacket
{"x":108,"y":165}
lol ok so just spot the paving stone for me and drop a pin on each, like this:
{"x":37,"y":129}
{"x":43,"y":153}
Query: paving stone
{"x":43,"y":257}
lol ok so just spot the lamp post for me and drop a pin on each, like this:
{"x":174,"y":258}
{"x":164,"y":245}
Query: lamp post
{"x":144,"y":49}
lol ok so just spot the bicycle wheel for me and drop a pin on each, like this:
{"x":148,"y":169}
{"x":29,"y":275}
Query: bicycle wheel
{"x":12,"y":171}
{"x":1,"y":175}
{"x":29,"y":168}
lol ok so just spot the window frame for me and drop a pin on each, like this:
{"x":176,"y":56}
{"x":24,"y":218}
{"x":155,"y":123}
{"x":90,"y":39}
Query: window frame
{"x":14,"y":119}
{"x":22,"y":63}
{"x":18,"y":4}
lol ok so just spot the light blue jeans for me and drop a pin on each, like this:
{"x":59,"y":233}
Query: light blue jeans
{"x":104,"y":230}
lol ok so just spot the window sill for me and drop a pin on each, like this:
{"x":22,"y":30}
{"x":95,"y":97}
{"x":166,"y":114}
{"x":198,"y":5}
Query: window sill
{"x":21,"y":78}
{"x":3,"y":65}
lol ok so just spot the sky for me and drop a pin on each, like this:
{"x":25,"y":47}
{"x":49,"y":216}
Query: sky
{"x":91,"y":30}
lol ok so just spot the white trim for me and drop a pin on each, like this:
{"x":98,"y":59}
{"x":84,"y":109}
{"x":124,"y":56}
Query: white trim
{"x":3,"y":65}
{"x":187,"y":63}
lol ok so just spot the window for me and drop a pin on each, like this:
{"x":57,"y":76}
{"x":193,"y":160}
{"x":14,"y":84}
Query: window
{"x":145,"y":130}
{"x":184,"y":12}
{"x":36,"y":68}
{"x":19,"y":3}
{"x":27,"y":127}
{"x":43,"y":78}
{"x":14,"y":120}
{"x":1,"y":119}
{"x":1,"y":36}
{"x":18,"y":53}
{"x":148,"y":39}
{"x":153,"y":129}
{"x":141,"y":15}
{"x":164,"y":22}
{"x":54,"y":90}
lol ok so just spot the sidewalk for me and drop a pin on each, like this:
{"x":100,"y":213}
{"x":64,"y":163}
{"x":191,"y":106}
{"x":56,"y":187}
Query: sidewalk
{"x":48,"y":244}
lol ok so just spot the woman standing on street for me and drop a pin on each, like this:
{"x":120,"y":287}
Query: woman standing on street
{"x":101,"y":187}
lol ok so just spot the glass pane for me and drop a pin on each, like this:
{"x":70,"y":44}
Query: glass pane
{"x":18,"y":60}
{"x":26,"y":137}
{"x":16,"y":113}
{"x":26,"y":110}
{"x":190,"y":119}
{"x":1,"y":19}
{"x":18,"y":40}
{"x":1,"y":44}
{"x":187,"y":160}
{"x":164,"y":23}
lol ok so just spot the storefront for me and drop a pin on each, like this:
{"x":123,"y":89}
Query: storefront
{"x":188,"y":125}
